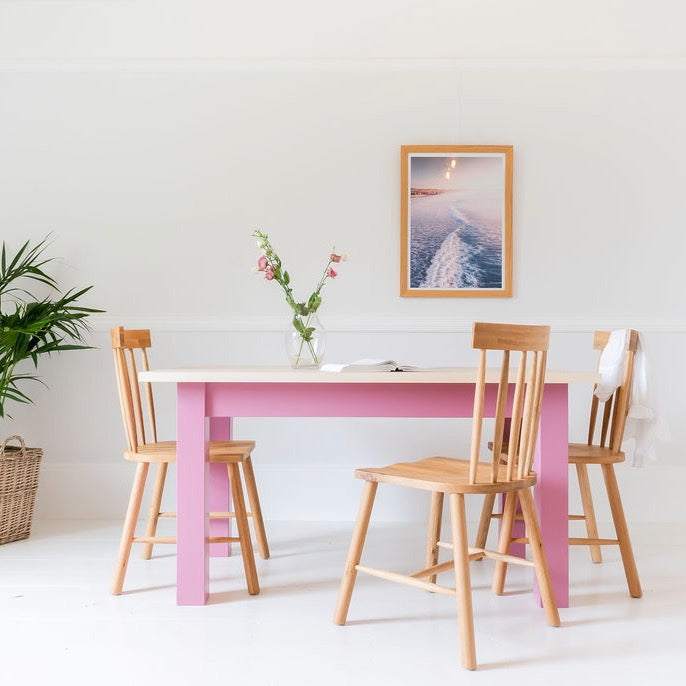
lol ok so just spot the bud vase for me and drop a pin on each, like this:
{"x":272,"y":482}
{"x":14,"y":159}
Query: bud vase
{"x":305,"y":340}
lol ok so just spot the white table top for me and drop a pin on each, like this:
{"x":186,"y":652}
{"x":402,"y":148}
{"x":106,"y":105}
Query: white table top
{"x":288,"y":375}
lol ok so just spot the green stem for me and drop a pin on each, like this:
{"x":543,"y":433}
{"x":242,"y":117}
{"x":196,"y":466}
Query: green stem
{"x":315,"y":359}
{"x":314,"y":354}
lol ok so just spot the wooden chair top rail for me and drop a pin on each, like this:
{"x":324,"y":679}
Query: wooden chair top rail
{"x":600,"y":339}
{"x":130,"y":338}
{"x":510,"y":337}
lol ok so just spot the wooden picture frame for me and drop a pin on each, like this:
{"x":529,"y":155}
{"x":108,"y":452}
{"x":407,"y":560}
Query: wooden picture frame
{"x":456,"y":221}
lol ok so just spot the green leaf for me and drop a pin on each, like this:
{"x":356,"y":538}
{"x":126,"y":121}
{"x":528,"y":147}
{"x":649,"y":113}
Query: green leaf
{"x":314,"y":302}
{"x":299,"y":326}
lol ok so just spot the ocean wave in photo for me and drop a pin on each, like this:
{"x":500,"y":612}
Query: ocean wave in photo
{"x":456,"y":240}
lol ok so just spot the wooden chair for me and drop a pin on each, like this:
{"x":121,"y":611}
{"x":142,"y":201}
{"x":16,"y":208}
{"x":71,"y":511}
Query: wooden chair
{"x":457,"y":478}
{"x":128,"y":345}
{"x":602,"y":448}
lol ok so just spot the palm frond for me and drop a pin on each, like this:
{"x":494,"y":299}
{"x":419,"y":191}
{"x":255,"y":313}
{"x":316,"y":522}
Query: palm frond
{"x":26,"y":264}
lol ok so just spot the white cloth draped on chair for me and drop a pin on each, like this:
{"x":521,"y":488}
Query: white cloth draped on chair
{"x":644,"y":423}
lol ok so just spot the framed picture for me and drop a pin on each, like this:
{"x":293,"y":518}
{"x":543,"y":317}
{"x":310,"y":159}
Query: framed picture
{"x":456,"y":221}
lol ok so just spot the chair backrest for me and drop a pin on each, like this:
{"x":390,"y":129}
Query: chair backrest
{"x":130,"y":356}
{"x":616,"y":407}
{"x":528,"y":375}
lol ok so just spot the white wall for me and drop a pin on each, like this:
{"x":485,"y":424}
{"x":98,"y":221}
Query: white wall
{"x":152,"y":138}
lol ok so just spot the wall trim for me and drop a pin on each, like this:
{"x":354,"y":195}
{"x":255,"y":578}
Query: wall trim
{"x":359,"y":324}
{"x":344,"y":65}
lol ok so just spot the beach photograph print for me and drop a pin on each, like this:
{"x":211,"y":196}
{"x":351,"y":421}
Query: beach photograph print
{"x":456,"y":221}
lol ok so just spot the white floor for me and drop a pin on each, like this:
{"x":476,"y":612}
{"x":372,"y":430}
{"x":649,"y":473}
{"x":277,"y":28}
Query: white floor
{"x":58,"y":622}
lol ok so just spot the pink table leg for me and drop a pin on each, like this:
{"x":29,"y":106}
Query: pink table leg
{"x":220,"y":501}
{"x":551,"y":491}
{"x":192,"y":523}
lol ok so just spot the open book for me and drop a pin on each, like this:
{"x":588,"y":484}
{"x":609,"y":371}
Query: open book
{"x":369,"y":365}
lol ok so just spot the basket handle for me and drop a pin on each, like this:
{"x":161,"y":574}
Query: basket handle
{"x":22,"y":449}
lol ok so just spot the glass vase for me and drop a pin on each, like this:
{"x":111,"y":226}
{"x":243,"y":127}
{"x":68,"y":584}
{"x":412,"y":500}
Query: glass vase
{"x":305,"y":339}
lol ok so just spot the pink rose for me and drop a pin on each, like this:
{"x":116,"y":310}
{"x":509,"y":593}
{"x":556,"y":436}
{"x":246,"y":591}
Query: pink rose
{"x":330,"y":272}
{"x":268,"y":273}
{"x":262,"y":263}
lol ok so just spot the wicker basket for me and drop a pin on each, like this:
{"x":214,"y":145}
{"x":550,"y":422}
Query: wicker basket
{"x":19,"y":467}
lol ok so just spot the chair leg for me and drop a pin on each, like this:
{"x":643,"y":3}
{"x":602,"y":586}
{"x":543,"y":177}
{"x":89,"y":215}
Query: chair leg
{"x":622,"y":531}
{"x":243,"y":529}
{"x":129,"y":529}
{"x":463,"y":586}
{"x":434,"y":533}
{"x":155,"y":505}
{"x":355,"y":552}
{"x":538,"y":553}
{"x":485,"y":521}
{"x":255,"y":508}
{"x":506,"y":527}
{"x":589,"y":512}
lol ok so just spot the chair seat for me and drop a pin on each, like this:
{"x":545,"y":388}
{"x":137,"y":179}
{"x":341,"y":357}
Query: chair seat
{"x":165,"y":451}
{"x":444,"y":474}
{"x":580,"y":453}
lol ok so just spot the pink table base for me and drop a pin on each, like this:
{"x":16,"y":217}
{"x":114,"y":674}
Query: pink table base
{"x":204,"y":410}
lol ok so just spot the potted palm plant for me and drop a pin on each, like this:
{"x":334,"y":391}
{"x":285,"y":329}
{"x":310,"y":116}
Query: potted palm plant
{"x":32,"y":325}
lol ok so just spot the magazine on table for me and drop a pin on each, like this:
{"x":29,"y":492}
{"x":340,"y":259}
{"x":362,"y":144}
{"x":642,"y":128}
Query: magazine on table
{"x":371,"y":365}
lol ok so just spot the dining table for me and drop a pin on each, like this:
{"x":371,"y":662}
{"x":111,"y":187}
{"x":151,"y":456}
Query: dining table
{"x":208,"y":398}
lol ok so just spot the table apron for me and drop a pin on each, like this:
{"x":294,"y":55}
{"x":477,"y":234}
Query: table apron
{"x":343,"y":400}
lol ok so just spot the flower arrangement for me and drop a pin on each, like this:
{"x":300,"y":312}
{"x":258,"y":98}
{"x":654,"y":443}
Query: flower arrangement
{"x":307,"y":350}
